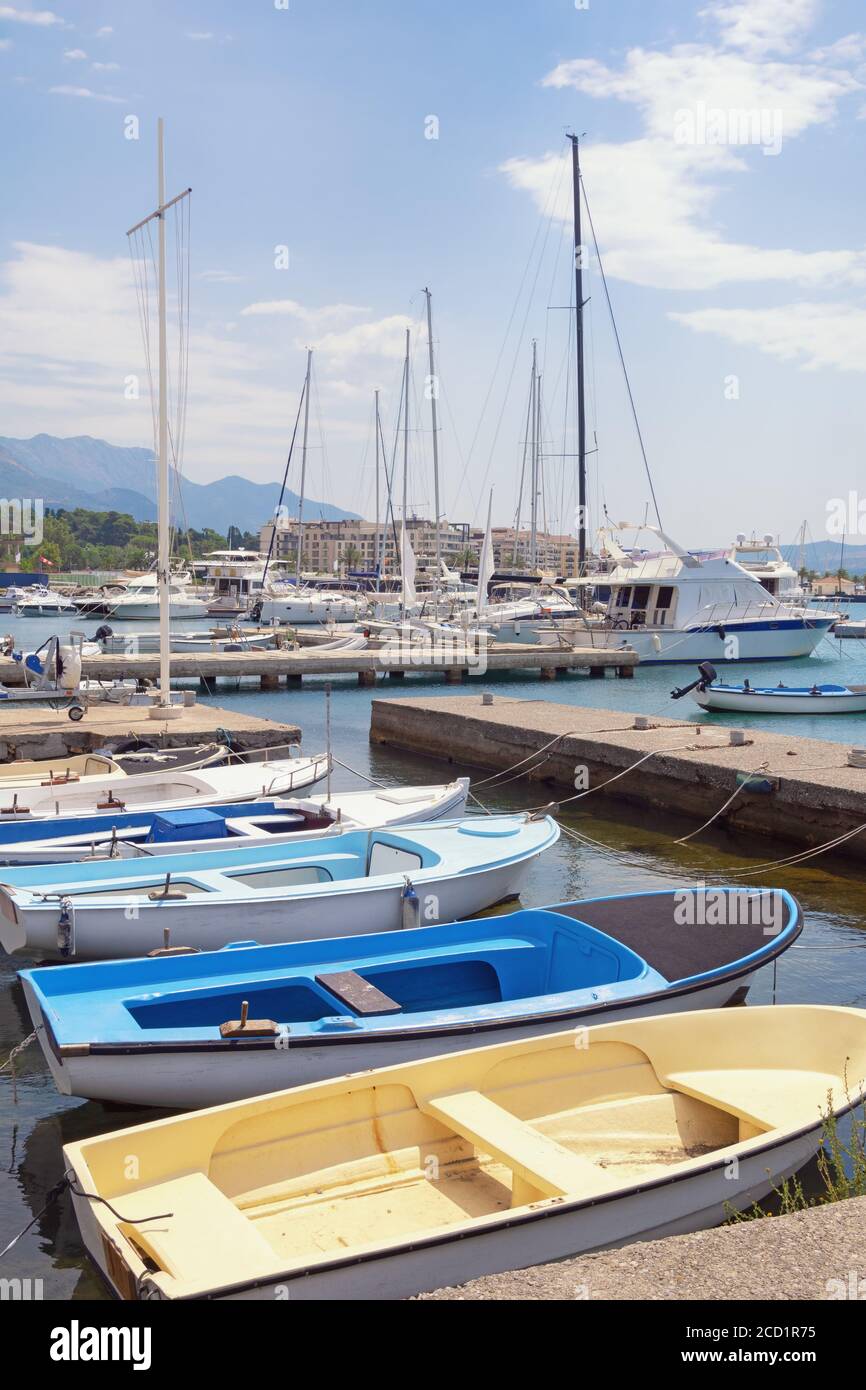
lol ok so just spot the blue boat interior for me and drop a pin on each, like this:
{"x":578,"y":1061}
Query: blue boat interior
{"x":530,"y":961}
{"x":21,"y":829}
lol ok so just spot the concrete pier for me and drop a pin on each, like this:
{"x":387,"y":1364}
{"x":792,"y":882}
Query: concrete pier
{"x":814,"y":1255}
{"x":801,"y":790}
{"x":41,"y":733}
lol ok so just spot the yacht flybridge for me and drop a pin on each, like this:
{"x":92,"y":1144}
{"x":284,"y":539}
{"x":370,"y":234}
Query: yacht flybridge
{"x":673,"y":605}
{"x":765,"y":561}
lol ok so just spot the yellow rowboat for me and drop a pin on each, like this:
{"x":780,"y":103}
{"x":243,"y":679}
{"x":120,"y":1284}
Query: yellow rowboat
{"x":415,"y":1177}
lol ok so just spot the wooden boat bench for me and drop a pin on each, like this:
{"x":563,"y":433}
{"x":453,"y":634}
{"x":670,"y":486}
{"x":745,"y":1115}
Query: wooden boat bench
{"x":541,"y":1167}
{"x":352,"y":989}
{"x":204,"y":1232}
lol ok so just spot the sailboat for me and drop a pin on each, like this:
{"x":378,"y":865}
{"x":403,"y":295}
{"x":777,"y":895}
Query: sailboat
{"x":300,"y":604}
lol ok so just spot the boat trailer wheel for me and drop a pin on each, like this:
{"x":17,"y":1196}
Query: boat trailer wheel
{"x":76,"y":712}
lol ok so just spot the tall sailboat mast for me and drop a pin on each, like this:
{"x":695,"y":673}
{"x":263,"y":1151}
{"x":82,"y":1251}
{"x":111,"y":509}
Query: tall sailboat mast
{"x":533,"y":413}
{"x":163,"y":562}
{"x":405,"y":477}
{"x":581,"y":403}
{"x":376,"y":433}
{"x":303,"y":468}
{"x":434,"y":391}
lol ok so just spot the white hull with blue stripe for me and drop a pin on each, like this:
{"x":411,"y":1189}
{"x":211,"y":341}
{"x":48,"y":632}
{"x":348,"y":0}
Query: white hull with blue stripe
{"x":350,"y":883}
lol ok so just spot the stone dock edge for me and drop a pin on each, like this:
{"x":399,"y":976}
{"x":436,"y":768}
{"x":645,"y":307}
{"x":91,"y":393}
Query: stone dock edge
{"x":790,"y":788}
{"x":815,"y":1255}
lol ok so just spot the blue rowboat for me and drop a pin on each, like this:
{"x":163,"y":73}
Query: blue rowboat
{"x":194,"y":1030}
{"x":349,"y":882}
{"x":134,"y":834}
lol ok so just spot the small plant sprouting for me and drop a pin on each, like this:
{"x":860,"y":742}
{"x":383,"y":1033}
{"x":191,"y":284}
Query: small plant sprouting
{"x":841,"y":1168}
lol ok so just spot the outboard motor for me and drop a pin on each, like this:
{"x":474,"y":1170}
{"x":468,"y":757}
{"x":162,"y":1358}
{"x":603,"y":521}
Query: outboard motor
{"x":706,"y":677}
{"x":103,"y":633}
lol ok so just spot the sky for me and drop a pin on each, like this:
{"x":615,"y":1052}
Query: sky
{"x":389,"y":146}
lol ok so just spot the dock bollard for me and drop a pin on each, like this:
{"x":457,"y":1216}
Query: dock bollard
{"x":641,"y":722}
{"x":738,"y":738}
{"x":487,"y":697}
{"x":857,"y":757}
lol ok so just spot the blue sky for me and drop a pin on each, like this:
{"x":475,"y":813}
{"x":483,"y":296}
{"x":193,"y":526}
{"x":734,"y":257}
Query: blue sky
{"x":737,"y":276}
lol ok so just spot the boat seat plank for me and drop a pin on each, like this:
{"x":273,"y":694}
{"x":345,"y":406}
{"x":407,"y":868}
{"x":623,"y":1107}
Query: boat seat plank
{"x":540,"y":1162}
{"x":204,"y":1232}
{"x":769,"y":1099}
{"x":352,"y":989}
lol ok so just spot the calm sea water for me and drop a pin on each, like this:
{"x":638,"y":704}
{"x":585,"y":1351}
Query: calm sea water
{"x":827,"y":966}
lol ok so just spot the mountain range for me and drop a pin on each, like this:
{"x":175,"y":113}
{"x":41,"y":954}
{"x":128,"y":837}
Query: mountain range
{"x":91,"y":473}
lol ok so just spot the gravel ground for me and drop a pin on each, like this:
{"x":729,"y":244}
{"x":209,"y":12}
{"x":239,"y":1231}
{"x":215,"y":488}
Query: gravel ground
{"x":815,"y":1255}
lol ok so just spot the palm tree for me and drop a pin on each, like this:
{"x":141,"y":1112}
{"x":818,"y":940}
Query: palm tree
{"x":351,"y":557}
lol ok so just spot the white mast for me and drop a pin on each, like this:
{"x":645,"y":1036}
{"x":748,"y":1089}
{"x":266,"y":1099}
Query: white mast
{"x":434,"y":390}
{"x":533,"y":409}
{"x":303,"y":468}
{"x":164,"y":557}
{"x":163,"y":708}
{"x":405,"y":476}
{"x":485,"y":560}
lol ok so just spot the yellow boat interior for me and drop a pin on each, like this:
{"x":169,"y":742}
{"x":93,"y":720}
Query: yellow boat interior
{"x":286,"y":1181}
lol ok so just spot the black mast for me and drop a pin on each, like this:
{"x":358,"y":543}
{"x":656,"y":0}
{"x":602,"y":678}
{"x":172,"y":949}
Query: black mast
{"x":581,"y":405}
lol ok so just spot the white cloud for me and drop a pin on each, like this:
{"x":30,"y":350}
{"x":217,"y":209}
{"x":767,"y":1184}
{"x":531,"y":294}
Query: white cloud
{"x":326,"y":316}
{"x":812,"y":334}
{"x":663,"y":84}
{"x":104,"y":32}
{"x":85,"y":93}
{"x":709,"y":114}
{"x":74,"y":55}
{"x":846,"y":50}
{"x":69,"y":337}
{"x":650,"y":204}
{"x":5,"y":43}
{"x":200,"y":37}
{"x":763,"y":26}
{"x":219,"y":277}
{"x":105,"y":67}
{"x":43,"y":19}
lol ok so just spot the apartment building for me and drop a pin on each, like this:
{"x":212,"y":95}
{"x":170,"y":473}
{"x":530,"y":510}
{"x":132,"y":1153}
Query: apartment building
{"x":334,"y":547}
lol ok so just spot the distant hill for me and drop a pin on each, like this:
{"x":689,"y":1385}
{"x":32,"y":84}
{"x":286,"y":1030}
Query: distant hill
{"x":86,"y":472}
{"x":824,"y":556}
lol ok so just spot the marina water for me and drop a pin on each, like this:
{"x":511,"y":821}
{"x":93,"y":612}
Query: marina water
{"x":630,"y":853}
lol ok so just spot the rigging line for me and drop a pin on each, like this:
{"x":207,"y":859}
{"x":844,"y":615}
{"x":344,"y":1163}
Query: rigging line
{"x":621,"y":356}
{"x":522,"y":480}
{"x":283,"y":487}
{"x":518,"y":345}
{"x":545,"y":221}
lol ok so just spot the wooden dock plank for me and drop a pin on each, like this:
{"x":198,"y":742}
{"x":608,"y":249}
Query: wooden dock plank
{"x":311,"y":662}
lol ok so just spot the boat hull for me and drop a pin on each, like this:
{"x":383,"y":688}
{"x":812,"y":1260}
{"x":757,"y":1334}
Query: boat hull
{"x":386,"y":1184}
{"x":191,"y":1078}
{"x":207,"y":922}
{"x":297,"y":611}
{"x":779,"y":702}
{"x":782,"y":640}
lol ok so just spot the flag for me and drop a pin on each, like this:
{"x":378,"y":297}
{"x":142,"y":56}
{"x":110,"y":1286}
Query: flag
{"x":485,"y":563}
{"x":407,"y":567}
